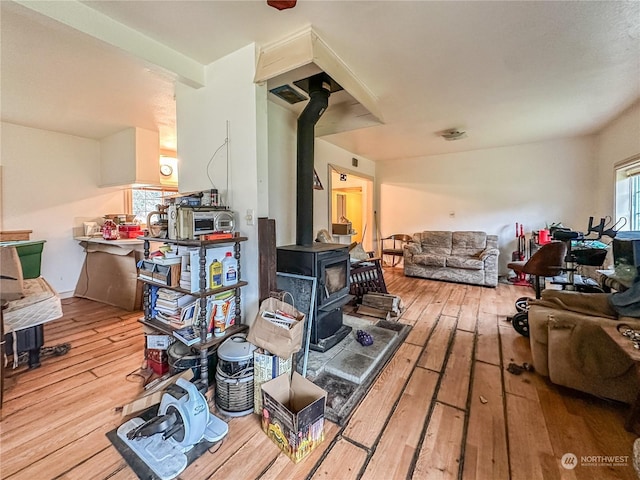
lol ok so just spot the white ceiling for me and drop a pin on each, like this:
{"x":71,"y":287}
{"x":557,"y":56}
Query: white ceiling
{"x":506,"y":72}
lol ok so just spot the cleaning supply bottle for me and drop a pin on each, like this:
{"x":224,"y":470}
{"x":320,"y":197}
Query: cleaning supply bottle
{"x":219,"y":320}
{"x":229,"y":270}
{"x":215,"y":271}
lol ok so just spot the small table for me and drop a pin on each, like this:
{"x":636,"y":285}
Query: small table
{"x":634,"y":354}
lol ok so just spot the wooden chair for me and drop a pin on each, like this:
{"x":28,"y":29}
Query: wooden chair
{"x":394,"y":245}
{"x":366,"y":276}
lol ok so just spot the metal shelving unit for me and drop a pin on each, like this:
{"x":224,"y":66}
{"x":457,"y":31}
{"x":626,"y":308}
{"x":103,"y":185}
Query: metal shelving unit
{"x":203,"y":293}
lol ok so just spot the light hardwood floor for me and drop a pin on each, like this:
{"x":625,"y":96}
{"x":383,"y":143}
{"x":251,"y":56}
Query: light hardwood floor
{"x":444,"y":407}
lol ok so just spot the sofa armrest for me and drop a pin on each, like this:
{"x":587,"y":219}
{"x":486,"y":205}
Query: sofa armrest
{"x":488,"y":252}
{"x":591,"y":304}
{"x":413,"y":248}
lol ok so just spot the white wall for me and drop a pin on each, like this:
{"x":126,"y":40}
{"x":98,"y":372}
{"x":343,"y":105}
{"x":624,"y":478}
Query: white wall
{"x":202,"y":115}
{"x":282,"y":129}
{"x":490,"y":190}
{"x":282,"y":174}
{"x":618,"y":141}
{"x":50,"y":185}
{"x":325,"y":154}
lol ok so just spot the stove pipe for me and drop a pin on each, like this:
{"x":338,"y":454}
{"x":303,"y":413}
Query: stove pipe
{"x":319,"y":91}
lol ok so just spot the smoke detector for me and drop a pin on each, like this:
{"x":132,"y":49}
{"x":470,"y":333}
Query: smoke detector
{"x":453,"y":134}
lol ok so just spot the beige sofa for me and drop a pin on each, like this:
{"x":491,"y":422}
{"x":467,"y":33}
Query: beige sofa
{"x":464,"y":257}
{"x":570,"y":347}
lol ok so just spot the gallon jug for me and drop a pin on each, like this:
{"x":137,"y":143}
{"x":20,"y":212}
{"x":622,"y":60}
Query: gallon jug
{"x":229,"y":270}
{"x":215,"y":273}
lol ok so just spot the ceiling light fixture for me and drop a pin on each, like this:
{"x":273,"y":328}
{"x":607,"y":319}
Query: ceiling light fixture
{"x":453,"y":134}
{"x":281,"y":4}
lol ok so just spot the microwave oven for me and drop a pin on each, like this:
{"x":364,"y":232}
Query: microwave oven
{"x":186,"y":223}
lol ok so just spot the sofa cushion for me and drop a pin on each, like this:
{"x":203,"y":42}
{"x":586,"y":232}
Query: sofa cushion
{"x":436,"y":242}
{"x":468,"y":243}
{"x":466,"y":263}
{"x":429,"y":260}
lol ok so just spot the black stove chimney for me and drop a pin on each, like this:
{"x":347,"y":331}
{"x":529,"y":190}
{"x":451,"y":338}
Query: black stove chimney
{"x":319,"y":91}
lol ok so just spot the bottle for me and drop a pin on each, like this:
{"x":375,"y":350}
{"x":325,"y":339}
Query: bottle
{"x":215,"y":273}
{"x":229,"y":270}
{"x":219,"y":321}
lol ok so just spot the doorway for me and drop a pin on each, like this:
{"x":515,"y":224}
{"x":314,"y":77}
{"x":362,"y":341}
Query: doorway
{"x":351,"y":199}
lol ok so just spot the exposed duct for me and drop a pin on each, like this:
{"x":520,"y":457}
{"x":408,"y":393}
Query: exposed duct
{"x":319,"y":91}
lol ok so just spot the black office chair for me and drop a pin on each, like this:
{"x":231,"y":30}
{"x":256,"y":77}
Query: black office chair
{"x":547,"y":261}
{"x":395,"y":246}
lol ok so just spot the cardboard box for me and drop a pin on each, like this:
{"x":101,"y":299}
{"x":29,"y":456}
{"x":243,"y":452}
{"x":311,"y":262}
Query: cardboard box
{"x":158,"y":361}
{"x":273,"y":338}
{"x":266,"y":367}
{"x":168,"y":275}
{"x":153,"y":393}
{"x":293,"y":414}
{"x":159,"y":342}
{"x":11,"y":286}
{"x":341,"y":228}
{"x":110,"y":275}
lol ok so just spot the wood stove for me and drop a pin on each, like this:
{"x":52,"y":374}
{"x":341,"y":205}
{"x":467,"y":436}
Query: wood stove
{"x":329,"y":264}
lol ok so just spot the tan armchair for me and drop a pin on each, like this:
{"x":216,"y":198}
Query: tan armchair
{"x":569,"y":346}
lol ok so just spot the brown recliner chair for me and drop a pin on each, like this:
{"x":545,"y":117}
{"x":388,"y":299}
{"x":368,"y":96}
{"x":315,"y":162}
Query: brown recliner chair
{"x":569,"y":346}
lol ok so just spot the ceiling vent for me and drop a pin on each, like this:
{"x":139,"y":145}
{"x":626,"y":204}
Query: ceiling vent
{"x":453,"y":134}
{"x":286,"y":67}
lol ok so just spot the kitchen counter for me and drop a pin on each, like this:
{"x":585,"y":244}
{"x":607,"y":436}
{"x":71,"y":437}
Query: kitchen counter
{"x":125,"y":242}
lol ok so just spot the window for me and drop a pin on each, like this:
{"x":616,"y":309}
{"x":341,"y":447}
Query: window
{"x":142,"y":201}
{"x":627,"y":205}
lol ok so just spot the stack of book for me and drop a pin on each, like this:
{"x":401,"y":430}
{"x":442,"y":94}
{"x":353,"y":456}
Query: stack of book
{"x":185,"y":279}
{"x":189,"y":335}
{"x":175,"y":308}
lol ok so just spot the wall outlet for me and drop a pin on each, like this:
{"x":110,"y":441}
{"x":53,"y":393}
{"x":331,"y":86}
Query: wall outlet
{"x":250,"y":217}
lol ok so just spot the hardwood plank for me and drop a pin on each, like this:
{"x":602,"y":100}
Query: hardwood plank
{"x":488,"y":301}
{"x":487,"y":346}
{"x":516,"y":349}
{"x":415,"y":310}
{"x":344,"y":462}
{"x":440,"y":453}
{"x":369,"y":418}
{"x":32,"y":386}
{"x":241,"y":431}
{"x":103,"y":464}
{"x":399,"y":442}
{"x":283,"y":467}
{"x":244,"y":463}
{"x":529,"y":444}
{"x":438,"y":345}
{"x":57,"y":463}
{"x":443,"y":293}
{"x":469,"y":313}
{"x":454,"y":302}
{"x":51,"y":391}
{"x":454,"y":386}
{"x":486,"y":456}
{"x":422,"y":328}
